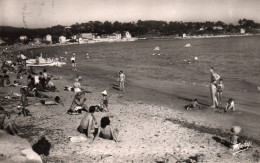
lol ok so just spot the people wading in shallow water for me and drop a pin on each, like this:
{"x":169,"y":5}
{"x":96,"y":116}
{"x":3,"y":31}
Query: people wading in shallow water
{"x":214,"y":77}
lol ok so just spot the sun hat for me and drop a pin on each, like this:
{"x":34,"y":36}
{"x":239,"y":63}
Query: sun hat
{"x":104,"y":92}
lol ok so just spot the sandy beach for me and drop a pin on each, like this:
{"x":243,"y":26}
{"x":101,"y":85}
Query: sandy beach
{"x":150,"y":132}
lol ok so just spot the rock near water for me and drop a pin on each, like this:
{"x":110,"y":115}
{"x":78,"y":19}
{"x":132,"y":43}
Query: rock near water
{"x":14,"y":149}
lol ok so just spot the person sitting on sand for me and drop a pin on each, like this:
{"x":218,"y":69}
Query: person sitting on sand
{"x":106,"y":131}
{"x":10,"y":128}
{"x":230,"y":105}
{"x":220,"y":88}
{"x":42,"y":81}
{"x":77,"y":86}
{"x":87,"y":123}
{"x":193,"y":105}
{"x":50,"y":85}
{"x":77,"y":105}
{"x":214,"y":79}
{"x":235,"y":130}
{"x":104,"y":103}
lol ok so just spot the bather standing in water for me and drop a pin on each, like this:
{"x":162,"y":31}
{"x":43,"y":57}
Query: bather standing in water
{"x":213,"y":89}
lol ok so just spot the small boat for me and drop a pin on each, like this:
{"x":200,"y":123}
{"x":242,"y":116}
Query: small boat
{"x":39,"y":61}
{"x":157,"y":48}
{"x":187,"y":45}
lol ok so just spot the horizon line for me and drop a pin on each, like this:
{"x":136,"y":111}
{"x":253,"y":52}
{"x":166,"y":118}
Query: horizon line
{"x":123,"y":22}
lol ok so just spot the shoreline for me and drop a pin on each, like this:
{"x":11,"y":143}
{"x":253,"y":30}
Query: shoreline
{"x":156,"y":117}
{"x":158,"y":130}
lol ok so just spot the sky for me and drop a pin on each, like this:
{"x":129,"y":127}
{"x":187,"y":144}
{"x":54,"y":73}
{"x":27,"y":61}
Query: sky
{"x":47,"y":13}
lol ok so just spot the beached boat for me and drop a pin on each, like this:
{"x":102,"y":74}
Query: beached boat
{"x":40,"y":61}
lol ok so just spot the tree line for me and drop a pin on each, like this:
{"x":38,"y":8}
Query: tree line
{"x":149,"y":28}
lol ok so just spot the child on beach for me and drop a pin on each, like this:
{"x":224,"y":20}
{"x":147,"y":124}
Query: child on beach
{"x":104,"y":103}
{"x":235,"y":130}
{"x":193,"y":105}
{"x":220,"y":88}
{"x":230,"y":105}
{"x":24,"y":102}
{"x":77,"y":86}
{"x":106,"y":131}
{"x":77,"y":105}
{"x":87,"y":123}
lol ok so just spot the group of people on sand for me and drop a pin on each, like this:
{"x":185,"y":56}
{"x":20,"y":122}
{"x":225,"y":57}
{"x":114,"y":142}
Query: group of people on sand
{"x":216,"y":91}
{"x":88,"y":123}
{"x":105,"y":130}
{"x":31,"y":84}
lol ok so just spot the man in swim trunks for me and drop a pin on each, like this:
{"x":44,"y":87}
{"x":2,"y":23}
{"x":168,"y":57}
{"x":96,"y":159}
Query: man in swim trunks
{"x":87,"y":123}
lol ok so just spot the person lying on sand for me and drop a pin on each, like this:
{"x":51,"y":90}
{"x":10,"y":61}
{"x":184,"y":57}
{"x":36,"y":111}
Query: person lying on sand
{"x":35,"y":90}
{"x":193,"y":105}
{"x":10,"y":127}
{"x":77,"y":105}
{"x":230,"y":105}
{"x":106,"y":131}
{"x":87,"y":123}
{"x":56,"y":101}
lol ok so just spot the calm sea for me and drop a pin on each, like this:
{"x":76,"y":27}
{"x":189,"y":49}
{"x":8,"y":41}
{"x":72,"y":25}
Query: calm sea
{"x":235,"y":59}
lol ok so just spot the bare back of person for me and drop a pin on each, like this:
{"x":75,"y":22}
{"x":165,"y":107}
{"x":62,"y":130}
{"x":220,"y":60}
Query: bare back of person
{"x":106,"y":132}
{"x":84,"y":123}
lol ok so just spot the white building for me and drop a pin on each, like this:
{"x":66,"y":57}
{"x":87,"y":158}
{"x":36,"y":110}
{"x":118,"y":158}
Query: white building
{"x":86,"y":36}
{"x":128,"y":35}
{"x":243,"y":31}
{"x":48,"y":38}
{"x":22,"y":38}
{"x":115,"y":36}
{"x":62,"y":39}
